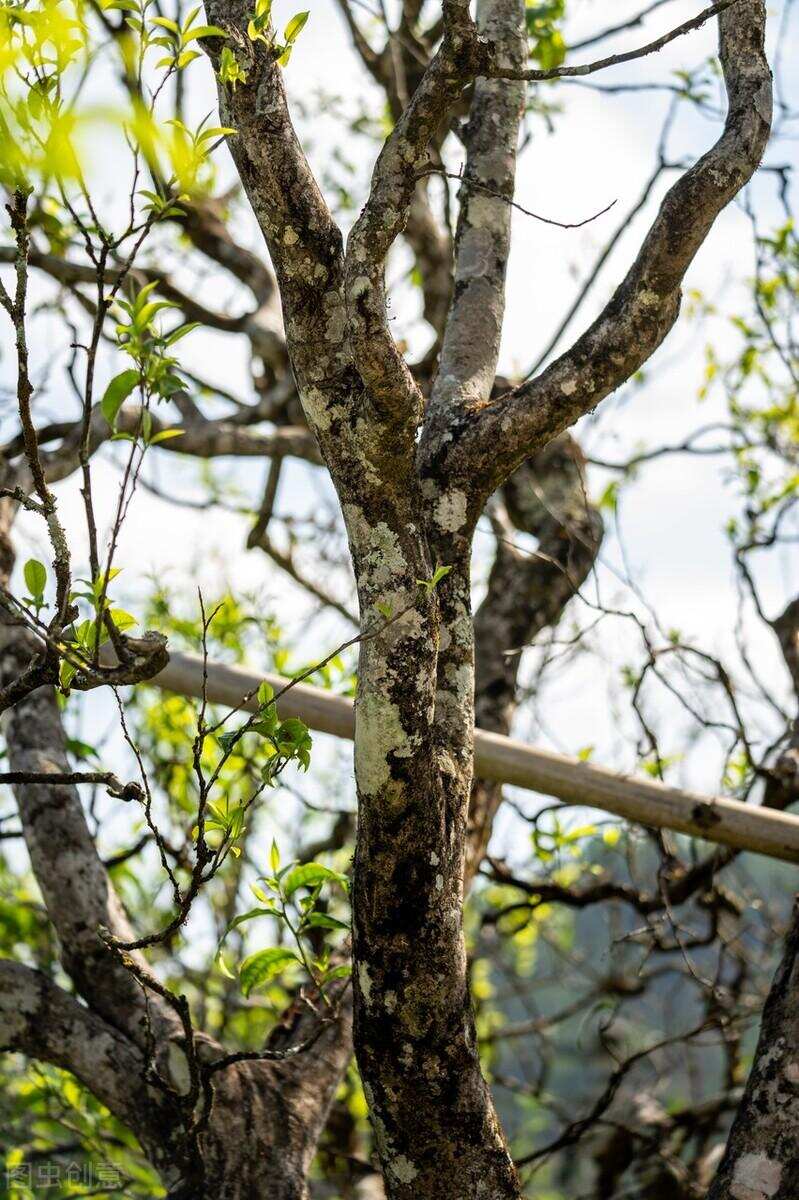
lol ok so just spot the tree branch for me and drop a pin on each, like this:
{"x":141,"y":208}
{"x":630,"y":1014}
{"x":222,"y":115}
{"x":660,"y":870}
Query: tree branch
{"x":615,"y":60}
{"x":74,"y":884}
{"x":382,"y":368}
{"x":41,"y":1020}
{"x":644,"y":308}
{"x":482,"y":242}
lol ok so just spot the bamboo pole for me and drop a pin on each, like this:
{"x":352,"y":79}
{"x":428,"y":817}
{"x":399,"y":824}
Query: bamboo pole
{"x":504,"y":760}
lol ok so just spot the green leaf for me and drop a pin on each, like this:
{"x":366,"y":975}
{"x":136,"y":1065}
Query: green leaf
{"x":201,"y":31}
{"x":165,"y":435}
{"x":610,"y":497}
{"x":259,"y":968}
{"x":190,"y":18}
{"x":435,"y":578}
{"x":295,"y":27}
{"x":66,"y":674}
{"x":168,"y":385}
{"x":145,"y":315}
{"x":181,"y":332}
{"x":319,"y":920}
{"x":293,"y":730}
{"x":342,"y":972}
{"x":117,"y":393}
{"x":266,"y":694}
{"x":224,"y":968}
{"x":310,"y":875}
{"x":81,"y":750}
{"x":123,"y":620}
{"x":35,"y":574}
{"x":230,"y":70}
{"x":215,"y":131}
{"x":228,"y":740}
{"x":274,"y":857}
{"x":242,"y":918}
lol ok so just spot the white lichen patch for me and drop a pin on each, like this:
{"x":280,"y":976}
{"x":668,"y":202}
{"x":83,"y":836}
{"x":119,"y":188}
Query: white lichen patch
{"x":390,"y":1001}
{"x":290,"y":236}
{"x":461,"y":681}
{"x":447,"y":766}
{"x":648,"y":298}
{"x":569,"y":387}
{"x":476,"y":254}
{"x":488,"y":212}
{"x":376,"y":547}
{"x":449,"y":711}
{"x":450,"y":511}
{"x":434,"y":859}
{"x":756,"y":1177}
{"x":378,"y":733}
{"x":314,"y":403}
{"x":336,"y":324}
{"x":405,"y":621}
{"x":764,"y":103}
{"x":403,"y":1169}
{"x":365,"y":983}
{"x":179,"y":1069}
{"x":462,"y":630}
{"x":359,"y":287}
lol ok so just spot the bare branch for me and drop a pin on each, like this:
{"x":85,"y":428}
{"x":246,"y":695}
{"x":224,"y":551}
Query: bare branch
{"x":646,"y":305}
{"x":615,"y":60}
{"x":41,"y":1020}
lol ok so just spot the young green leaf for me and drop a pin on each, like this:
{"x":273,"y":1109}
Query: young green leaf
{"x":35,"y":574}
{"x":117,"y":393}
{"x":319,"y":920}
{"x":203,"y":31}
{"x":166,"y":435}
{"x":310,"y":875}
{"x":342,"y":972}
{"x":435,"y":578}
{"x":259,"y":968}
{"x":123,"y":620}
{"x":242,"y":918}
{"x":295,"y":27}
